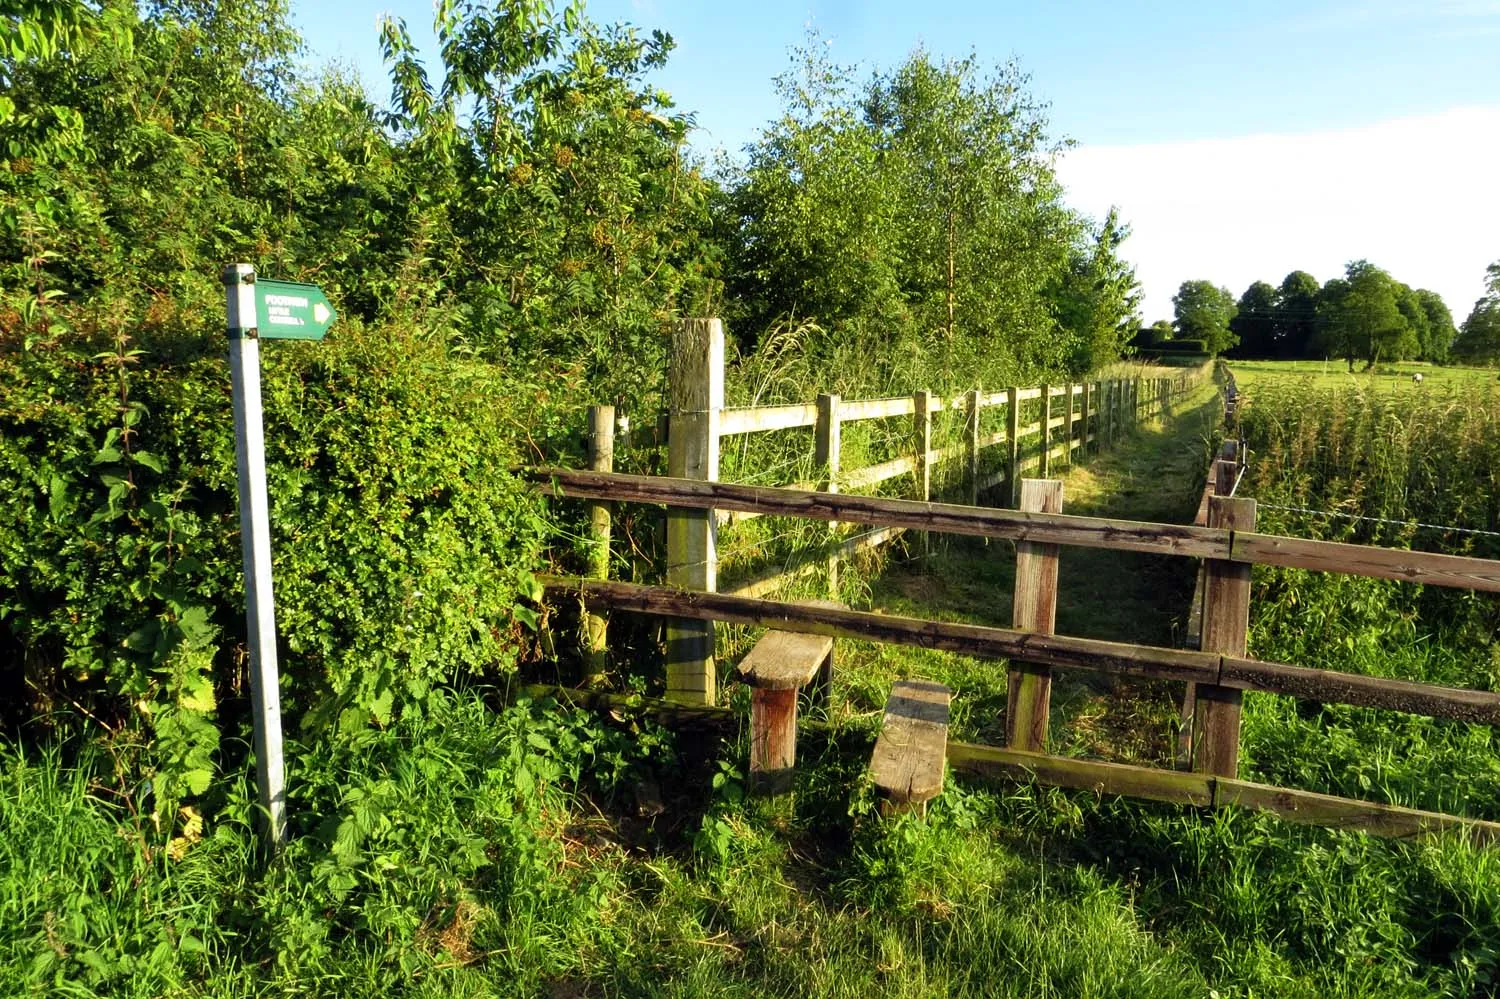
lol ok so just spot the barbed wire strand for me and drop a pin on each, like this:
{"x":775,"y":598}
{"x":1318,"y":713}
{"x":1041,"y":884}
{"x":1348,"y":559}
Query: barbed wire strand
{"x":1381,"y":520}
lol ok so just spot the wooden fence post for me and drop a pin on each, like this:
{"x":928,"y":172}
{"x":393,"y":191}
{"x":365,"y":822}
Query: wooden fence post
{"x":1084,"y":441}
{"x":826,"y":439}
{"x":1045,"y":465}
{"x":601,"y":454}
{"x":696,"y":383}
{"x":971,"y":433}
{"x":1068,"y":426}
{"x":1107,"y":413}
{"x":1034,"y":609}
{"x":1013,"y":444}
{"x":1221,"y":480}
{"x":1226,"y":619}
{"x":922,"y":425}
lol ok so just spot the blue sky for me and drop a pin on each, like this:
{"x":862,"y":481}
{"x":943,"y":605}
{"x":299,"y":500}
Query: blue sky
{"x":1240,"y":140}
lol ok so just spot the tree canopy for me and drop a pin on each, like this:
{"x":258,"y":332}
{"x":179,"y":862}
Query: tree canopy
{"x":1204,"y":312}
{"x":1479,"y":341}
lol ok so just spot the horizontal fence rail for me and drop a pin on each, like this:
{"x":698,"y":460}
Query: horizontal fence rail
{"x":1057,"y":651}
{"x":1454,"y":571}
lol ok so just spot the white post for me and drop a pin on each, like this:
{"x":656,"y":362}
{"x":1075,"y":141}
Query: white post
{"x":255,"y":539}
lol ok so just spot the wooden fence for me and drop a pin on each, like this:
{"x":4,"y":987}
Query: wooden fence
{"x":1218,"y":672}
{"x":1044,"y":425}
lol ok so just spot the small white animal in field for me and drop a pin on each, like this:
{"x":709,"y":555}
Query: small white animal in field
{"x":1416,"y":379}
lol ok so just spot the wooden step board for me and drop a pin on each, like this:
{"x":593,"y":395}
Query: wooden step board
{"x":781,"y":664}
{"x":909,"y":755}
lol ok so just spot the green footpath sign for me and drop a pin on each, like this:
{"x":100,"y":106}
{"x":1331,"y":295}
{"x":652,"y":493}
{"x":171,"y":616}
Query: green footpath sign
{"x":285,"y":310}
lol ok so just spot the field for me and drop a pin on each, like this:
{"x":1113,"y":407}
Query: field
{"x":1335,"y":373}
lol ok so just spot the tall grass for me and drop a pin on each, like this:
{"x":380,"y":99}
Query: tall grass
{"x":1403,"y":460}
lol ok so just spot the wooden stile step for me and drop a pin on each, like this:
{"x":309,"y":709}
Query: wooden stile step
{"x":781,"y":664}
{"x":912,"y":748}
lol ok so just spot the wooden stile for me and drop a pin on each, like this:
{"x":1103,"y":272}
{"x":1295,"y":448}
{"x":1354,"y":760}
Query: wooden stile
{"x":696,"y":383}
{"x":909,"y":757}
{"x":1034,"y":609}
{"x":1226,"y":620}
{"x":780,"y":665}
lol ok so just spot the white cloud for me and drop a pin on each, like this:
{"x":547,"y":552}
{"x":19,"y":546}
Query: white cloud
{"x":1418,"y":196}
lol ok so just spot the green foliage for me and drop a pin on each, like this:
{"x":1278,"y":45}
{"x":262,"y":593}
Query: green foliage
{"x":1204,"y":312}
{"x":916,"y":220}
{"x":1254,"y":324}
{"x":1360,"y":316}
{"x":1479,"y":342}
{"x":402,"y":543}
{"x":418,"y":850}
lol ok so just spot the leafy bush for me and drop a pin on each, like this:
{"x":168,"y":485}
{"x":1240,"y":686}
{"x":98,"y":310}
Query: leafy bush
{"x":400,"y":538}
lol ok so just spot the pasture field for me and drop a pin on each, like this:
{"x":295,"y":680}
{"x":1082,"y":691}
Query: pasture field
{"x":1334,"y":373}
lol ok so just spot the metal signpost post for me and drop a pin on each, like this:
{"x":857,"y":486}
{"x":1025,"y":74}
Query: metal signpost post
{"x":274,"y":310}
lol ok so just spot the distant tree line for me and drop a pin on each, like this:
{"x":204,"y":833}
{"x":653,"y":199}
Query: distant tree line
{"x":1363,"y":316}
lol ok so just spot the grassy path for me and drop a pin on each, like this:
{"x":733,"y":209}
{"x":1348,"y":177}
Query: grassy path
{"x":1154,"y":473}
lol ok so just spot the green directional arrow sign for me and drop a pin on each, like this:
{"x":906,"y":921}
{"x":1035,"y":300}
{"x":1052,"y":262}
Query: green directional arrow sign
{"x":285,"y":310}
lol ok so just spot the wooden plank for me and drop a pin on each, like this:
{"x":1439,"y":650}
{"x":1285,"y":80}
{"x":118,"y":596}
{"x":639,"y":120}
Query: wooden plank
{"x":784,"y":660}
{"x":1090,"y":775}
{"x":601,"y":457}
{"x":773,"y":740}
{"x":1064,"y":529}
{"x":877,"y":409}
{"x":1086,"y":434}
{"x":991,"y":440}
{"x":1057,"y":421}
{"x":696,"y":385}
{"x":1057,"y":651}
{"x":922,"y":431}
{"x":1069,"y":434}
{"x":876,"y":474}
{"x":1028,"y":393}
{"x":827,"y":443}
{"x":1045,"y":425}
{"x":908,"y":760}
{"x":1001,"y":398}
{"x":1346,"y":813}
{"x":1034,"y":609}
{"x":1455,"y":571}
{"x":984,"y":642}
{"x":1013,"y":439}
{"x":1226,"y":620}
{"x":756,"y":419}
{"x":1475,"y":706}
{"x":972,"y":410}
